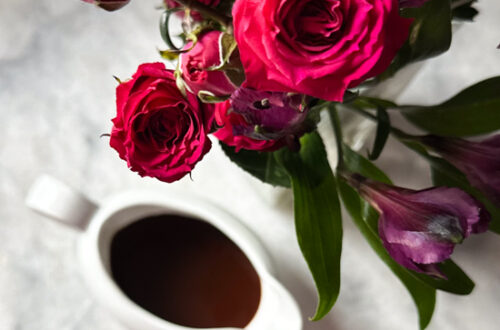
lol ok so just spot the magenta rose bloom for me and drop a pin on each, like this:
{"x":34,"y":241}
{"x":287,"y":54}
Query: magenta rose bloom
{"x":158,"y":131}
{"x":420,"y":229}
{"x":478,"y":160}
{"x":194,"y":64}
{"x":109,"y":5}
{"x":228,"y":120}
{"x":317,"y":48}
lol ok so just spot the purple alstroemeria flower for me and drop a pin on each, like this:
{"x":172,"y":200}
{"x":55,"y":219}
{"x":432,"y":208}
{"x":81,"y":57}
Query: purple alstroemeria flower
{"x":420,"y":229}
{"x":270,"y":115}
{"x":479,"y":161}
{"x":411,"y":3}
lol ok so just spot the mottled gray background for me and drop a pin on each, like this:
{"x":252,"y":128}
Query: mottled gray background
{"x":57,"y":58}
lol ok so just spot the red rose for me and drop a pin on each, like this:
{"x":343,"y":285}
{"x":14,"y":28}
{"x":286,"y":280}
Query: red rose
{"x":317,"y":48}
{"x":109,"y":5}
{"x":194,"y":64}
{"x":158,"y":131}
{"x":228,"y":119}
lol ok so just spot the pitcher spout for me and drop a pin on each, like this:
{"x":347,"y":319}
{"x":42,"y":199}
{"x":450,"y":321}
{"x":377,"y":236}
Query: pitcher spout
{"x":277,"y":310}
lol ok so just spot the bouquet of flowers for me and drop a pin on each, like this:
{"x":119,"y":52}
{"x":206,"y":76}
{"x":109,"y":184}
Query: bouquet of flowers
{"x":257,"y":74}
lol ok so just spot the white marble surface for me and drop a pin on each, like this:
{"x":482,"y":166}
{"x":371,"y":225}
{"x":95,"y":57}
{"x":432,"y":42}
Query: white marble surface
{"x":57,"y":59}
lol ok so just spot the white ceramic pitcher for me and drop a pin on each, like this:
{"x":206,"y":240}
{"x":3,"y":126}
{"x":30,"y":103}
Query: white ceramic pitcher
{"x":98,"y":223}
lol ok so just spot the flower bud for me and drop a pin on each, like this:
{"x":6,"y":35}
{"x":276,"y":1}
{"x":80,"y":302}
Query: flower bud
{"x":479,"y":161}
{"x":195,"y":66}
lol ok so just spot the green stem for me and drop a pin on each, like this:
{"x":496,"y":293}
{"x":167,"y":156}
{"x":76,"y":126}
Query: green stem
{"x":207,"y":11}
{"x":394,"y":131}
{"x":337,"y":129}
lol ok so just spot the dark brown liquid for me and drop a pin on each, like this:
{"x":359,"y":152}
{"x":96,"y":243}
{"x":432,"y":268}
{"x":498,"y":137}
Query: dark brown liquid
{"x":185,"y":271}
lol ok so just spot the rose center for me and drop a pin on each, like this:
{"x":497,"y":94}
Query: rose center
{"x":195,"y":70}
{"x":319,"y":20}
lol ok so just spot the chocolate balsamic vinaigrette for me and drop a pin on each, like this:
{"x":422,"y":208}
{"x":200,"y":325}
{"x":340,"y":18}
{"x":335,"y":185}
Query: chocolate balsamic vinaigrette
{"x":185,"y":271}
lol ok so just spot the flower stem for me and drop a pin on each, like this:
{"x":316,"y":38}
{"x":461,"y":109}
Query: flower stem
{"x":207,"y":11}
{"x":395,"y":131}
{"x":335,"y":120}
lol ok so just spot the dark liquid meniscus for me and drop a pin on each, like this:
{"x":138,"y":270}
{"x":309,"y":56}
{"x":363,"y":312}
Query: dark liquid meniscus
{"x":185,"y":271}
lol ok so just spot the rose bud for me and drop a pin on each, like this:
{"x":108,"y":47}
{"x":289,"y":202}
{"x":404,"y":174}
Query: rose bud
{"x":420,"y":229}
{"x":194,"y":64}
{"x":316,"y":48}
{"x":158,"y":131}
{"x":109,"y":5}
{"x":479,"y":161}
{"x":194,"y":14}
{"x":411,"y":3}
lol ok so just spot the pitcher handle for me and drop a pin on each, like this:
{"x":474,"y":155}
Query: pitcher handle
{"x":54,"y":199}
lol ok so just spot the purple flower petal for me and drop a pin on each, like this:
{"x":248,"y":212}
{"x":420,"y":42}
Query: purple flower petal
{"x":479,"y":161}
{"x":420,"y":229}
{"x":269,"y":115}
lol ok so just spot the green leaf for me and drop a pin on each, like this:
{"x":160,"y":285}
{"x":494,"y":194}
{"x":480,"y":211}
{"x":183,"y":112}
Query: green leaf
{"x":358,"y":164}
{"x":317,"y":216}
{"x":430,"y":34}
{"x":423,"y":295}
{"x":170,"y":54}
{"x":261,"y":165}
{"x":164,"y":28}
{"x":209,"y":97}
{"x":457,"y":281}
{"x":227,"y":45}
{"x":463,"y":12}
{"x":474,"y":111}
{"x":383,"y":131}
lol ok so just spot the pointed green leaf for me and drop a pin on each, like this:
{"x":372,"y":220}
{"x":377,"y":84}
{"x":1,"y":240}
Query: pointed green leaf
{"x":261,"y":165}
{"x":317,"y":216}
{"x":474,"y":111}
{"x":463,"y":10}
{"x":430,"y":34}
{"x":164,"y":27}
{"x":358,"y":164}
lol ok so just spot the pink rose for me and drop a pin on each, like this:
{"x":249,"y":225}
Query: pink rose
{"x":109,"y":5}
{"x":317,"y":48}
{"x":194,"y":65}
{"x":228,"y":119}
{"x":194,"y":14}
{"x":158,"y":131}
